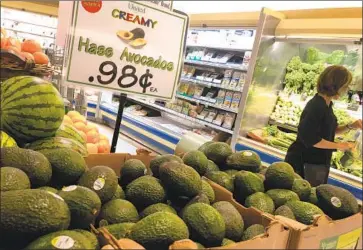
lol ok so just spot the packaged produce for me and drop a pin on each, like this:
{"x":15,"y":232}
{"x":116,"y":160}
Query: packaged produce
{"x":228,"y":99}
{"x":219,"y":119}
{"x":236,"y":100}
{"x":229,"y":120}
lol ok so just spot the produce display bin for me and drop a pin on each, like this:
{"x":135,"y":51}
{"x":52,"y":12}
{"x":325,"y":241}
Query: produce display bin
{"x":276,"y":236}
{"x":324,"y":233}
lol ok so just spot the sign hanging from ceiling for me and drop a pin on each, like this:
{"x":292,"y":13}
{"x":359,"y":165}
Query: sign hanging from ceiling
{"x":127,"y":47}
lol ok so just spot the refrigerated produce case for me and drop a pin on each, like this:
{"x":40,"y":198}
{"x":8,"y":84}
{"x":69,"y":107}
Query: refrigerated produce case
{"x":288,"y":63}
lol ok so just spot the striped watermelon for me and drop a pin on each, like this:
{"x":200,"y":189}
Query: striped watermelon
{"x":68,"y":131}
{"x":31,"y":108}
{"x":57,"y":142}
{"x":6,"y":141}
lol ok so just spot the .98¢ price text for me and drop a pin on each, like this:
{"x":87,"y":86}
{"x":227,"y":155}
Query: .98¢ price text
{"x":108,"y":73}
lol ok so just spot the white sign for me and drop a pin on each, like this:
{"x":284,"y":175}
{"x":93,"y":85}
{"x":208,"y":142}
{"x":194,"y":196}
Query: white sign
{"x":162,"y":4}
{"x":126,"y":47}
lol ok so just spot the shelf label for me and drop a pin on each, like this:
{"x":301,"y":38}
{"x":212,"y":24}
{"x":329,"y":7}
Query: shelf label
{"x":126,"y":46}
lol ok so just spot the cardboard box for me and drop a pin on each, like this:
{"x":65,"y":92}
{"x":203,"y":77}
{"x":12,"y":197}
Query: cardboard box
{"x":323,"y":234}
{"x":276,"y":236}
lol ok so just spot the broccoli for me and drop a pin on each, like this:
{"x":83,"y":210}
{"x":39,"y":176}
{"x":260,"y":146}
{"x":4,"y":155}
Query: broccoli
{"x":336,"y":57}
{"x":294,"y":64}
{"x":351,"y":58}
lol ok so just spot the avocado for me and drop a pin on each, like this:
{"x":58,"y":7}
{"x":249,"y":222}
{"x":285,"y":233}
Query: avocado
{"x":159,"y":230}
{"x":34,"y":164}
{"x":102,"y":180}
{"x":29,"y":213}
{"x":232,"y":219}
{"x":13,"y":179}
{"x":138,"y":43}
{"x":302,"y":188}
{"x":128,"y":36}
{"x":252,"y":231}
{"x":260,"y":201}
{"x":227,"y":242}
{"x":231,"y":172}
{"x":158,"y":207}
{"x":118,"y":211}
{"x":313,"y":199}
{"x":221,"y":178}
{"x":66,"y":239}
{"x":183,"y":244}
{"x":245,"y":160}
{"x":91,"y":238}
{"x":160,"y":160}
{"x":336,"y":202}
{"x":83,"y":203}
{"x":131,"y":170}
{"x":180,"y":179}
{"x":218,"y":152}
{"x":49,"y":189}
{"x":119,"y":194}
{"x":208,"y":191}
{"x":297,"y":176}
{"x":197,"y":160}
{"x":120,"y":230}
{"x":262,"y":177}
{"x":211,"y":167}
{"x":281,"y":196}
{"x":285,"y":211}
{"x":280,"y":175}
{"x":304,"y":212}
{"x":201,"y":198}
{"x":245,"y":184}
{"x":205,"y":224}
{"x":178,"y":202}
{"x":263,"y":170}
{"x":67,"y":165}
{"x":204,"y":146}
{"x":145,"y":191}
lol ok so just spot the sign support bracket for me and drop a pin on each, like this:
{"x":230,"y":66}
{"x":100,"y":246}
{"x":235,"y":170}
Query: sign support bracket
{"x":116,"y":132}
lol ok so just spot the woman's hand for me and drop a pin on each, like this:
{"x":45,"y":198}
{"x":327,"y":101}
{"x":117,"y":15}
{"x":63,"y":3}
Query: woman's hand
{"x":357,"y":124}
{"x":345,"y":146}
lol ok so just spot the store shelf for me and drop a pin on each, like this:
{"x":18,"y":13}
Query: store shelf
{"x":283,"y":125}
{"x":216,"y":65}
{"x":218,"y":48}
{"x":172,"y":112}
{"x":207,"y":84}
{"x":35,"y":24}
{"x":30,"y":33}
{"x":191,"y":99}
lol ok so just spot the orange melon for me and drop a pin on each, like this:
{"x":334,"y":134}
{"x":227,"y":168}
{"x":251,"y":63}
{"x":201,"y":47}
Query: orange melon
{"x":28,"y":56}
{"x":92,"y":148}
{"x":93,"y":137}
{"x":91,"y":126}
{"x":103,"y":147}
{"x":79,"y":125}
{"x":13,"y":42}
{"x":79,"y":118}
{"x":31,"y":46}
{"x":73,"y":113}
{"x":41,"y":58}
{"x":67,"y":120}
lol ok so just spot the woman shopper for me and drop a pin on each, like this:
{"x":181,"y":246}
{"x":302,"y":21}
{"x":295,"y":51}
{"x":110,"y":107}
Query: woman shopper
{"x":311,"y":153}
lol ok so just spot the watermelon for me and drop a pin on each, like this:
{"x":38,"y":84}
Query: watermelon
{"x":56,"y":143}
{"x":6,"y":140}
{"x":31,"y":108}
{"x":68,"y":131}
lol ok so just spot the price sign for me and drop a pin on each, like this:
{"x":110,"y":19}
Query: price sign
{"x":128,"y":47}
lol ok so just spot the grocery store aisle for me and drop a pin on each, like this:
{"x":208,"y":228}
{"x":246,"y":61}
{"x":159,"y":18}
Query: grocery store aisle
{"x":124,"y":144}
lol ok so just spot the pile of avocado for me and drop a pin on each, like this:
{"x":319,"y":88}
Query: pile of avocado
{"x":50,"y":199}
{"x":276,"y":190}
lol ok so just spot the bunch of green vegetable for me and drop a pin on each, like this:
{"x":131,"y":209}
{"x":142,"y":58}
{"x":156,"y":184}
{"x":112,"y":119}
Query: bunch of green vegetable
{"x":342,"y":116}
{"x":286,"y":112}
{"x":278,"y":139}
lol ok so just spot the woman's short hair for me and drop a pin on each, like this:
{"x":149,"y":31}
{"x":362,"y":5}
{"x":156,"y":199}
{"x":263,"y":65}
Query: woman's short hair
{"x":332,"y":79}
